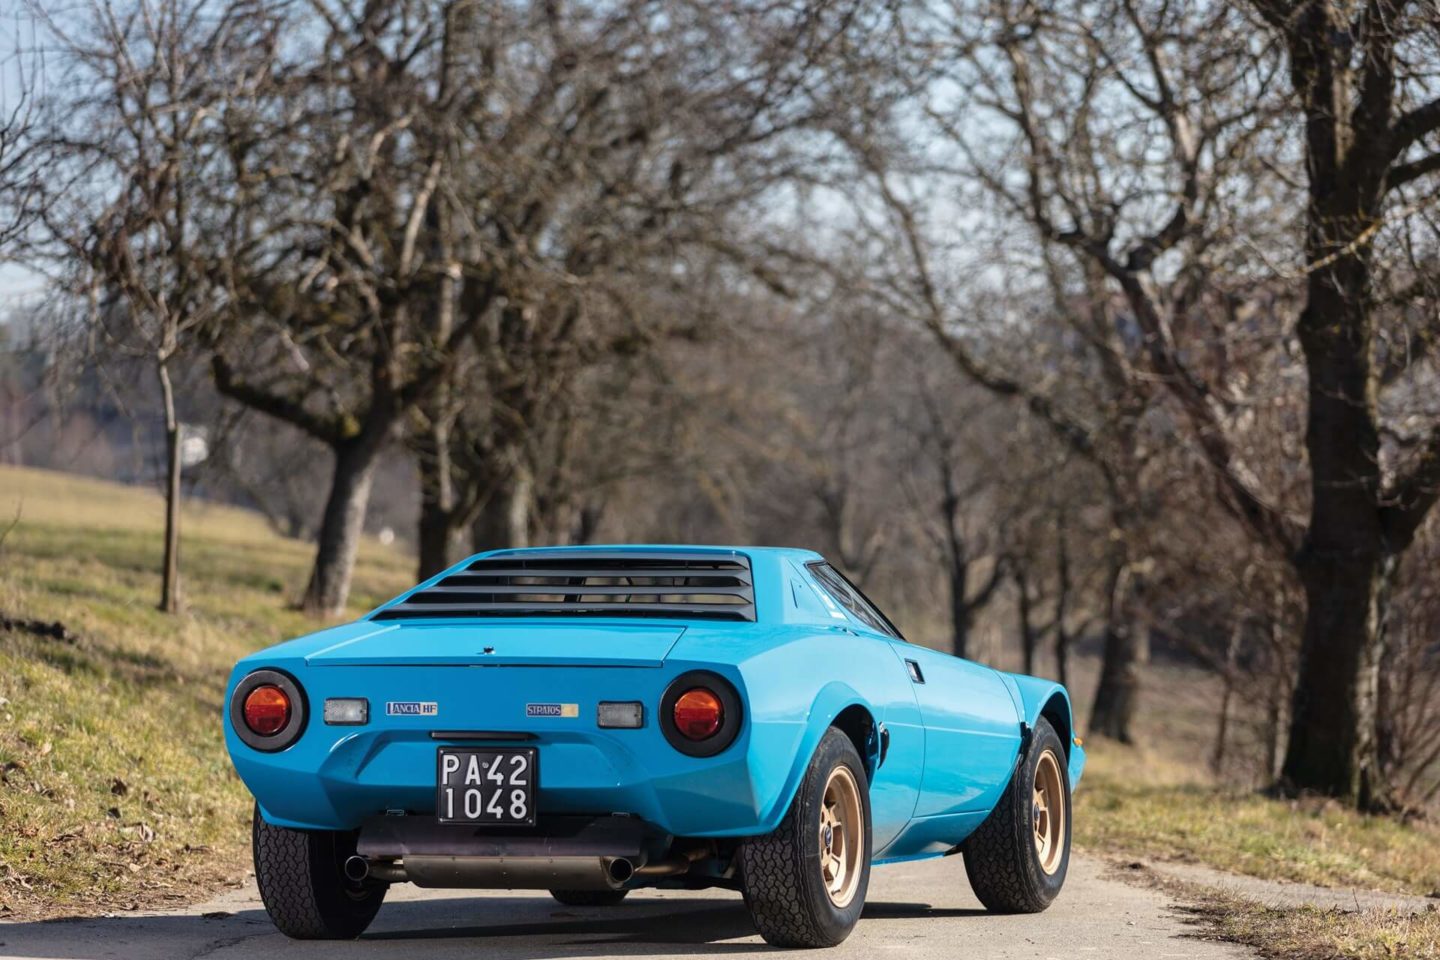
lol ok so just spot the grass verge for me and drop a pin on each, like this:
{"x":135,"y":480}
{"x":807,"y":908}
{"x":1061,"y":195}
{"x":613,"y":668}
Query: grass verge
{"x":115,"y":790}
{"x":1307,"y":933}
{"x":1133,"y":803}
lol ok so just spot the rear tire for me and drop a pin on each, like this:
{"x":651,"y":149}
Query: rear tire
{"x":800,"y":891}
{"x":303,"y":884}
{"x":1017,"y":858}
{"x":589,"y":898}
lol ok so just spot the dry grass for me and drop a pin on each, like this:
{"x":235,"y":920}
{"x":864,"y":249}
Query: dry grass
{"x":1139,"y":804}
{"x":1307,"y":933}
{"x":115,"y":790}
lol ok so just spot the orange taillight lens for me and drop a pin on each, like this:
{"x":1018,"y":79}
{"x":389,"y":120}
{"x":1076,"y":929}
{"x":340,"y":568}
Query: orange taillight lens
{"x":698,"y":714}
{"x":267,"y":710}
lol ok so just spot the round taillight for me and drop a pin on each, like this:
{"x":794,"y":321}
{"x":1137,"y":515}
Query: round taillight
{"x":267,"y":710}
{"x":698,"y":714}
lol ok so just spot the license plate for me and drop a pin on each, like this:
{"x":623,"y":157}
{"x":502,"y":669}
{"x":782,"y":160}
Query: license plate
{"x":486,"y":786}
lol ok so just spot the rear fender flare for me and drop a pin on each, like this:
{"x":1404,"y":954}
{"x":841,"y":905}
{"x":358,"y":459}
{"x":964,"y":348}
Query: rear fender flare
{"x":1045,"y":698}
{"x":832,"y":700}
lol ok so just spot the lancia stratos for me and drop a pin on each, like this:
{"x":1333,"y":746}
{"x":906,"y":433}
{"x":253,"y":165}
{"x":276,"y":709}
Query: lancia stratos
{"x":593,"y":721}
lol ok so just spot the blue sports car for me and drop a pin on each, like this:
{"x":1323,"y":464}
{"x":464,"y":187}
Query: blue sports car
{"x":590,"y":720}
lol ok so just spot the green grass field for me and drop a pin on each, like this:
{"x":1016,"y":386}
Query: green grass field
{"x":115,"y":790}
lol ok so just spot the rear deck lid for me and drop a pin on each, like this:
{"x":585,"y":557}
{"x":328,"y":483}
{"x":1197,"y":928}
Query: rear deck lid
{"x":500,"y":643}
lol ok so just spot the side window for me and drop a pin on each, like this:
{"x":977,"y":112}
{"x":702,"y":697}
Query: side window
{"x":849,"y":596}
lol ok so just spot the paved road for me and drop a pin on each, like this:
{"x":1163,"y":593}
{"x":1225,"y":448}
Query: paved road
{"x":919,"y":911}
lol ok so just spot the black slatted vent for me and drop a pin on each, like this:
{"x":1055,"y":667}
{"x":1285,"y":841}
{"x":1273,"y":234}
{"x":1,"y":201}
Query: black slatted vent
{"x":677,"y":586}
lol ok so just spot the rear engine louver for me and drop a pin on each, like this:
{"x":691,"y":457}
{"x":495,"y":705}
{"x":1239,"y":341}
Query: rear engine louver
{"x":678,"y":586}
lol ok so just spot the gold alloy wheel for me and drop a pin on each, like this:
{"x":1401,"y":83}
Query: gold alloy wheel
{"x":1048,"y":812}
{"x":842,"y":836}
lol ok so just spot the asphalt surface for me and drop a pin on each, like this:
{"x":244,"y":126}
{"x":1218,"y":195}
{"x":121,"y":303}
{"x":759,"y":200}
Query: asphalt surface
{"x":923,"y":910}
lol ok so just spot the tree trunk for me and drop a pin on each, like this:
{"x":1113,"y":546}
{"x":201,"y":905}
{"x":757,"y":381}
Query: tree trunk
{"x":1062,"y":656}
{"x":1227,"y":678}
{"x":587,"y":522}
{"x":1274,"y":724}
{"x":439,"y":540}
{"x":1344,"y":564}
{"x":959,"y":608}
{"x":170,"y":574}
{"x":1062,"y":603}
{"x":1027,"y":627}
{"x":438,"y":533}
{"x":1126,"y":650}
{"x":1333,"y":748}
{"x":341,"y":526}
{"x":504,"y":521}
{"x":1118,"y":696}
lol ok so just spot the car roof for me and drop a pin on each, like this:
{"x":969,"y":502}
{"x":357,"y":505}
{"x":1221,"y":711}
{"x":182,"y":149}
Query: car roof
{"x":793,"y":553}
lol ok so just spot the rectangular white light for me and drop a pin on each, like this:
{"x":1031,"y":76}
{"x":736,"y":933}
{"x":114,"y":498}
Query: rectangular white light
{"x":626,"y":714}
{"x":347,"y":711}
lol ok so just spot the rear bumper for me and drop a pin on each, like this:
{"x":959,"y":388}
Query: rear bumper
{"x":360,"y":775}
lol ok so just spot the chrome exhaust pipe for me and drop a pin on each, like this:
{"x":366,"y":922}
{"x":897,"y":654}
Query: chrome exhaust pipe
{"x":620,"y":871}
{"x":357,"y":868}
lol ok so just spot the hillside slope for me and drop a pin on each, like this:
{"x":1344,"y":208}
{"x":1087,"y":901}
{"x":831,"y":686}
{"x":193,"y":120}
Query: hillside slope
{"x":115,"y":789}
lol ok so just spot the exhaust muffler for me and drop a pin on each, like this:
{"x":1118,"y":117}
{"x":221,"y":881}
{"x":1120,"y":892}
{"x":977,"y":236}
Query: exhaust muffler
{"x":511,"y":873}
{"x":519,"y":873}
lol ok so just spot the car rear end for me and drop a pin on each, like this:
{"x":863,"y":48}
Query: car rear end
{"x":517,"y":722}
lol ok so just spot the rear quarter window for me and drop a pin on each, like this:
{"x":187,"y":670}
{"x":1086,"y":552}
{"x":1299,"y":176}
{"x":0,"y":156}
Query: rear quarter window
{"x":846,"y":594}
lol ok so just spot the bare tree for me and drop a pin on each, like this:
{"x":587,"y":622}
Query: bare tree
{"x":338,"y":287}
{"x":131,"y":152}
{"x":1086,"y":386}
{"x":1148,"y":150}
{"x":678,"y":150}
{"x":964,"y":473}
{"x":19,"y":175}
{"x":1364,"y":83}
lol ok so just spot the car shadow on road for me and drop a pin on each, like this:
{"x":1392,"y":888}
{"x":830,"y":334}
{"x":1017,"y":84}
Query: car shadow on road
{"x":628,"y":928}
{"x":916,"y":911}
{"x":509,"y":929}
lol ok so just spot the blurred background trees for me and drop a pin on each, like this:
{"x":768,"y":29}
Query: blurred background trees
{"x":1093,"y":331}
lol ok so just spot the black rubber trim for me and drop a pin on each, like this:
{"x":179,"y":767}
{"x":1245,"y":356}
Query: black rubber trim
{"x":729,"y":702}
{"x":508,"y":736}
{"x":299,"y":711}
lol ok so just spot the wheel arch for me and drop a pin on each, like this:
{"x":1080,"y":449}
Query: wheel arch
{"x":858,"y":723}
{"x":1038,"y":698}
{"x":836,"y":705}
{"x":1057,"y":711}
